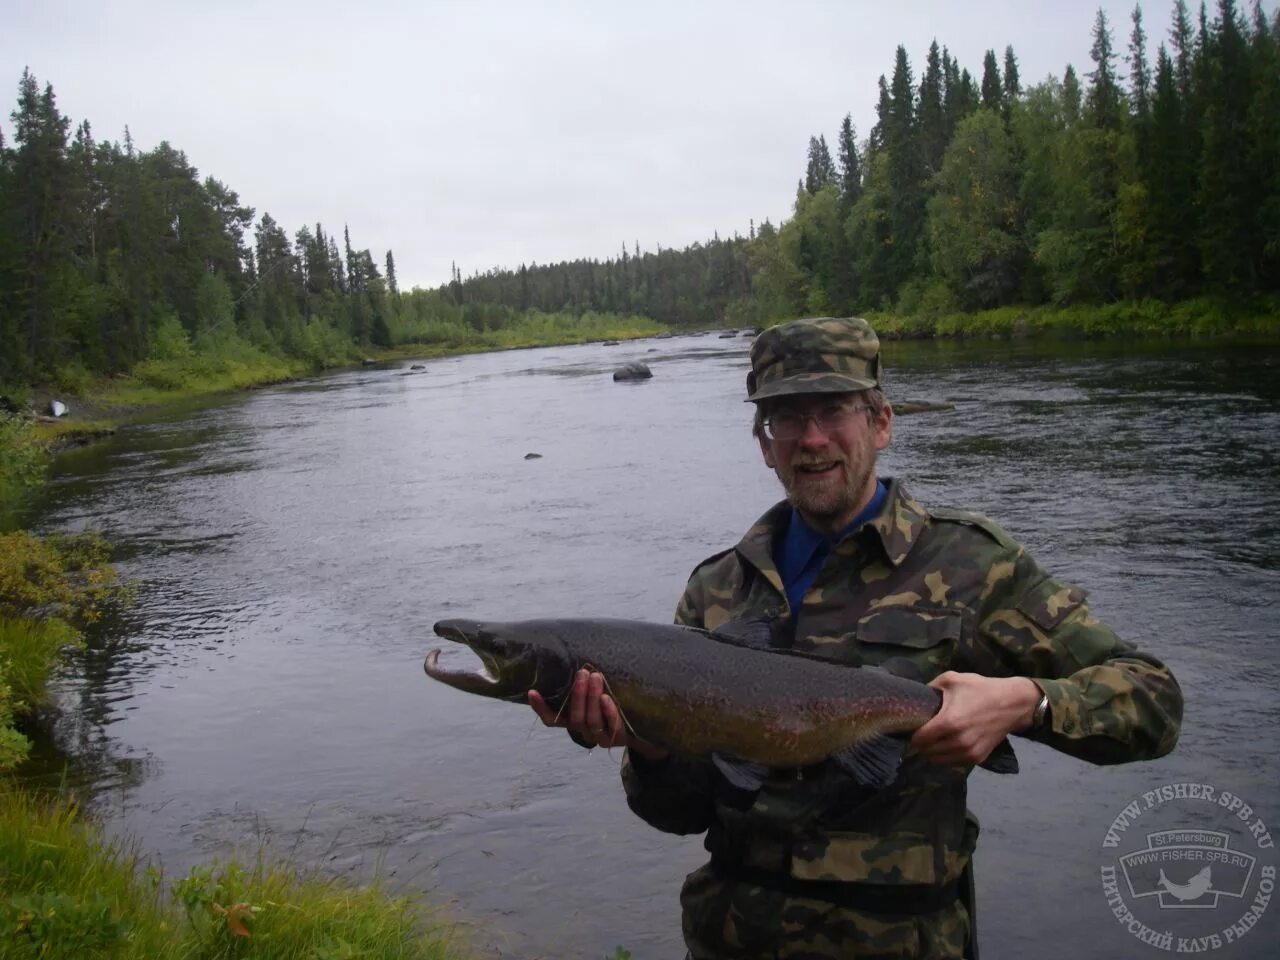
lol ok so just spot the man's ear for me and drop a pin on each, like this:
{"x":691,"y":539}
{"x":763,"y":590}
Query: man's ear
{"x":883,"y":422}
{"x":766,"y":450}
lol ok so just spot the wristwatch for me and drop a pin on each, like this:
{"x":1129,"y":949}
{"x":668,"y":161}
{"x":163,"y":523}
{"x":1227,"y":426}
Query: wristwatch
{"x":1041,"y":712}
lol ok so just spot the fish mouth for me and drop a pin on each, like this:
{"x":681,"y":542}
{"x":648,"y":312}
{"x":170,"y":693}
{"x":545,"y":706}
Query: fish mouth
{"x":486,"y":681}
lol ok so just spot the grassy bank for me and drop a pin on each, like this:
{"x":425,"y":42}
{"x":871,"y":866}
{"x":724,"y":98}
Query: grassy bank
{"x":68,"y":894}
{"x":1144,"y":319}
{"x":181,"y":370}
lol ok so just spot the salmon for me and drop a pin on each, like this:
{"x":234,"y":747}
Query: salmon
{"x":721,"y":696}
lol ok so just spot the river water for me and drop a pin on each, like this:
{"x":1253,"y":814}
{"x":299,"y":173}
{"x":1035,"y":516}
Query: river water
{"x":293,"y":547}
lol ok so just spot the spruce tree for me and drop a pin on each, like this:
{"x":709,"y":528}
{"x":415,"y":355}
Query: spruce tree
{"x":992,"y":85}
{"x":850,"y":173}
{"x":934,"y":133}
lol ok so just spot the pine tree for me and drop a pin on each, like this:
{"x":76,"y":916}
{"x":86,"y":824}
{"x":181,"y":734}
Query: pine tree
{"x":1227,"y":198}
{"x":1012,"y":85}
{"x":43,"y":218}
{"x":992,"y":84}
{"x":1263,"y":156}
{"x":934,"y":133}
{"x":1139,"y":71}
{"x":820,"y":170}
{"x":905,"y":175}
{"x":1104,"y":97}
{"x":850,"y":173}
{"x":392,"y":286}
{"x":1070,"y":96}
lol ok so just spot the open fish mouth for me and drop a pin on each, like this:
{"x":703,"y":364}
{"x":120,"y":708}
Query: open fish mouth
{"x":485,"y":680}
{"x":470,"y":680}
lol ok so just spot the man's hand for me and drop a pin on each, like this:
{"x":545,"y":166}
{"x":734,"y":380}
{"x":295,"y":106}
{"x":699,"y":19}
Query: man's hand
{"x":977,"y":713}
{"x":592,"y":714}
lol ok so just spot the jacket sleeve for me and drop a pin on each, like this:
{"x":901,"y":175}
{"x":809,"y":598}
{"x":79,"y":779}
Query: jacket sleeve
{"x":1108,"y":701}
{"x":676,"y":795}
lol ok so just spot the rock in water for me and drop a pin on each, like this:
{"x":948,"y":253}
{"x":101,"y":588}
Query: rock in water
{"x":633,"y":371}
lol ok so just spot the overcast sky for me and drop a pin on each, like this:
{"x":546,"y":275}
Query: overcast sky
{"x":497,"y":133}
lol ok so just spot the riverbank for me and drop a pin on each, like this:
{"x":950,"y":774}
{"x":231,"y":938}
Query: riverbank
{"x":97,"y":406}
{"x":1131,"y":319}
{"x":66,"y":893}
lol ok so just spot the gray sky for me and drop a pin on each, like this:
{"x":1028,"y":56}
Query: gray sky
{"x":497,"y":133}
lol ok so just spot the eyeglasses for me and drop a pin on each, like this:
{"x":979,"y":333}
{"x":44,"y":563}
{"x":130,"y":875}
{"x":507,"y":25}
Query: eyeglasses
{"x":790,"y":424}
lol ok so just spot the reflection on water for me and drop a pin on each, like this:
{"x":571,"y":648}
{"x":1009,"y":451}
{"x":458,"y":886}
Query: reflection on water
{"x":293,"y":547}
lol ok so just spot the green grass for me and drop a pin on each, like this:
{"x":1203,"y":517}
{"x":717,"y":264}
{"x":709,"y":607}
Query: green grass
{"x":1148,"y":319}
{"x":66,"y":893}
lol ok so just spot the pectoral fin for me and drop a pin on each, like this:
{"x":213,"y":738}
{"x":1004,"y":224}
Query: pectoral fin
{"x":742,"y":774}
{"x":1002,"y":759}
{"x":873,"y":762}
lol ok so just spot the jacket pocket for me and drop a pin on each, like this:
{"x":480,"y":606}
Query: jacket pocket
{"x":925,"y":637}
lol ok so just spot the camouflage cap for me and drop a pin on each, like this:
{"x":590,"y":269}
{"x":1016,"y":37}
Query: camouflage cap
{"x":815,"y":355}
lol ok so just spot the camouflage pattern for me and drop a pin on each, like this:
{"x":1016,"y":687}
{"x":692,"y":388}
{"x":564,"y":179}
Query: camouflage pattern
{"x":945,"y":590}
{"x":814,"y":355}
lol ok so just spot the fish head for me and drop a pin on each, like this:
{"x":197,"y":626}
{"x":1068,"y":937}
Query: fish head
{"x":515,"y":658}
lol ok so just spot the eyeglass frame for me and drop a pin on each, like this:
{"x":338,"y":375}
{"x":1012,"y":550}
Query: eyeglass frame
{"x":845,"y":410}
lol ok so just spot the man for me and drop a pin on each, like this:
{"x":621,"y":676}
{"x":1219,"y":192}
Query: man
{"x":816,"y":865}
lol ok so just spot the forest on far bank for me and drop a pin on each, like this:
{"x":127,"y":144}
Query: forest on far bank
{"x":1143,"y":178}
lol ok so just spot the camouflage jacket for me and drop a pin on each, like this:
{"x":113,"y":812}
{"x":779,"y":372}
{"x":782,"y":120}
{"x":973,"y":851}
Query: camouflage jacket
{"x":947,"y":590}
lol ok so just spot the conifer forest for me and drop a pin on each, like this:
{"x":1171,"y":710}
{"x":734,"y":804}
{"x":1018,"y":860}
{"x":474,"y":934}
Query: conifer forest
{"x":1136,"y":177}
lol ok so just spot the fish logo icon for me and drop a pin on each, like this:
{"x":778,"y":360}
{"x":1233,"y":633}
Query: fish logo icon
{"x":1193,"y":889}
{"x":1203,"y":865}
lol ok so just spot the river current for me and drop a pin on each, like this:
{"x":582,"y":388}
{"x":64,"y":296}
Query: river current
{"x":293,"y":546}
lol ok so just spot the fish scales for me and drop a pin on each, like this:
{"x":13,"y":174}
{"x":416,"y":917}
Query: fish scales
{"x":692,"y":693}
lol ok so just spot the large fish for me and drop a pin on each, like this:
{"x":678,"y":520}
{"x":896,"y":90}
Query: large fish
{"x":703,"y":694}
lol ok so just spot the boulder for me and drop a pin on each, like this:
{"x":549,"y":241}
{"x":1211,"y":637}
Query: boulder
{"x":633,"y":371}
{"x":901,"y":407}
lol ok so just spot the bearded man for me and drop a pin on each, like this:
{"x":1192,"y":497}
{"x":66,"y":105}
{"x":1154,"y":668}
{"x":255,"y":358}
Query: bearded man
{"x":814,"y":864}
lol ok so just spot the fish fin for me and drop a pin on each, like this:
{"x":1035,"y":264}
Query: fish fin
{"x":743,"y":774}
{"x":902,"y":667}
{"x":1002,"y":759}
{"x":757,"y":634}
{"x":873,"y":762}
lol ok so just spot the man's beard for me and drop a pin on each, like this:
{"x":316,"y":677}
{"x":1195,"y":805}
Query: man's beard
{"x":837,"y":499}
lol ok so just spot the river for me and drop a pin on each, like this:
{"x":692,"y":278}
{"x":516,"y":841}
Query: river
{"x":294,"y":545}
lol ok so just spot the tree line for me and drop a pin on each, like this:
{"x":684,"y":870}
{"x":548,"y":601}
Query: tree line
{"x":108,"y":253}
{"x":1137,"y":180}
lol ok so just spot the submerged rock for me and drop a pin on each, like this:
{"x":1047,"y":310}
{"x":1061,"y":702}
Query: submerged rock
{"x":633,"y":371}
{"x":901,"y":407}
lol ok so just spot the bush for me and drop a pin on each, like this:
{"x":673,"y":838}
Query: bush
{"x":22,"y":462}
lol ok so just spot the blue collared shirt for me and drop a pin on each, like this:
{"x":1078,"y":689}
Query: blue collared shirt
{"x":802,"y":551}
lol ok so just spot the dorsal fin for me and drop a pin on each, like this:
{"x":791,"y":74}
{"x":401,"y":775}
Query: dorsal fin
{"x":756,"y":633}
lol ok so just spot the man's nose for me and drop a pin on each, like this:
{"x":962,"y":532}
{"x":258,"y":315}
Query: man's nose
{"x":812,"y":434}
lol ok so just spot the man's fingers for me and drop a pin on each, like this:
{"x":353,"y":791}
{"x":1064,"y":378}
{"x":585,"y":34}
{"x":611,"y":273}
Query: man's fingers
{"x":544,"y":712}
{"x":612,"y":722}
{"x":592,"y":716}
{"x":578,"y":701}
